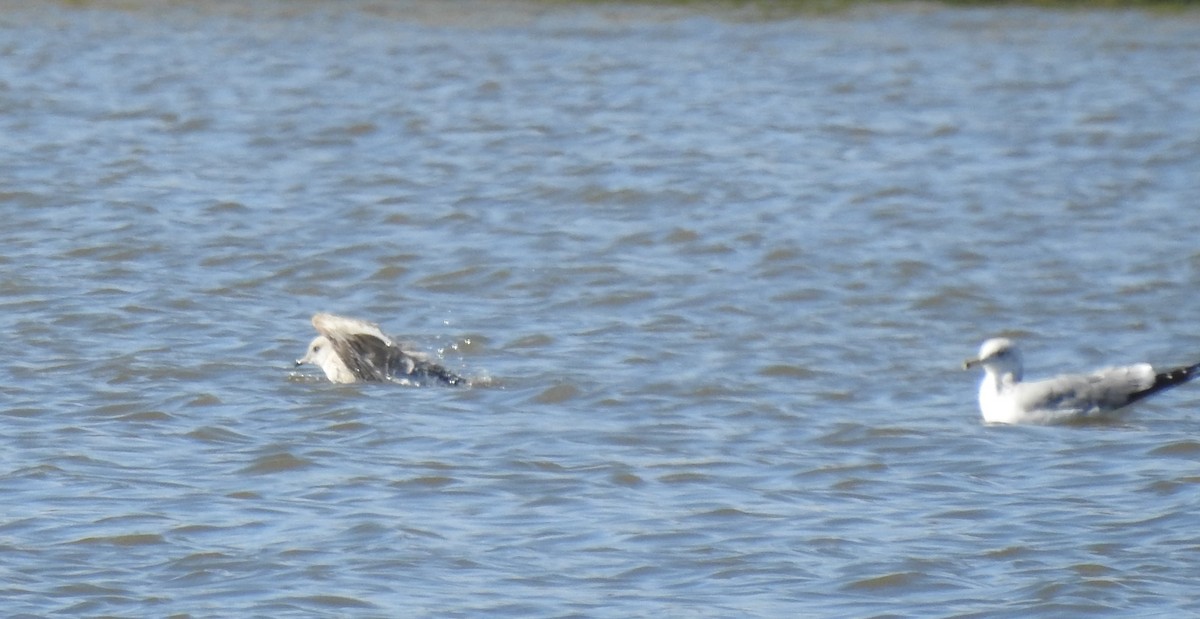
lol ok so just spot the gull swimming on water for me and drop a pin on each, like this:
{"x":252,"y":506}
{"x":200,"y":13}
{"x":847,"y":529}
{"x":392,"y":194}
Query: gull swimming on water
{"x":349,"y":350}
{"x":1003,"y":398}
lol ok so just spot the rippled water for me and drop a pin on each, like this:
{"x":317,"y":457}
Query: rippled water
{"x":713,"y":273}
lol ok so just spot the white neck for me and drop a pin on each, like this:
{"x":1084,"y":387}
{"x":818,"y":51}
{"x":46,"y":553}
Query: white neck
{"x":992,"y":403}
{"x":335,"y":369}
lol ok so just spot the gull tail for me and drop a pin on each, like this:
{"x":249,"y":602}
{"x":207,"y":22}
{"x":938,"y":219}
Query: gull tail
{"x":1168,"y":379}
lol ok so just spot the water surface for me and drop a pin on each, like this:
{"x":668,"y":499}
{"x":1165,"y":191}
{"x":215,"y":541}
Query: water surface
{"x":714,"y":276}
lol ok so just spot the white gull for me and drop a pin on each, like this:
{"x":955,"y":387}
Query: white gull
{"x":1100,"y":395}
{"x":349,"y":350}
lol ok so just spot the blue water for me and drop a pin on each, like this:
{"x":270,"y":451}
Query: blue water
{"x":713,"y":272}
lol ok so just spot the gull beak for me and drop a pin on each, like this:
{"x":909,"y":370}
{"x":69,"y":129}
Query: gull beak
{"x":970,"y":363}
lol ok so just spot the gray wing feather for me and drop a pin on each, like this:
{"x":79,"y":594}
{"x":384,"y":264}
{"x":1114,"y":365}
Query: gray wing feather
{"x":1086,"y":394}
{"x":372,"y":359}
{"x":366,"y":355}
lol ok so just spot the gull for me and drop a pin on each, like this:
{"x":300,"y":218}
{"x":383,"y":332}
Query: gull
{"x":349,"y":350}
{"x":1097,"y":396}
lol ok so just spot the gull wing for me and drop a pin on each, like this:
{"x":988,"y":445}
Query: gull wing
{"x":332,"y":325}
{"x":1087,"y":394}
{"x":361,"y":345}
{"x":372,"y":356}
{"x":372,"y":359}
{"x":369,"y":357}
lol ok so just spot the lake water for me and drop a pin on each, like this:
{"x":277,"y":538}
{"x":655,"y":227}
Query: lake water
{"x":713,"y":272}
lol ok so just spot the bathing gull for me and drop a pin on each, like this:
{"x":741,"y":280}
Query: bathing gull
{"x":1003,"y":398}
{"x":351,"y":350}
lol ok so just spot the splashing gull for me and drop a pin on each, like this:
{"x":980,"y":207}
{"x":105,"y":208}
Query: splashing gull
{"x":1003,"y":398}
{"x":349,"y":350}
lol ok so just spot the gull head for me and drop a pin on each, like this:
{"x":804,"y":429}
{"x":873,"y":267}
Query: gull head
{"x":322,"y":354}
{"x":319,"y":351}
{"x":998,"y":356}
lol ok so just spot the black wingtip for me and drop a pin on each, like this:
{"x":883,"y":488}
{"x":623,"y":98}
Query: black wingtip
{"x":441,"y":375}
{"x":1168,"y":379}
{"x":1176,"y":376}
